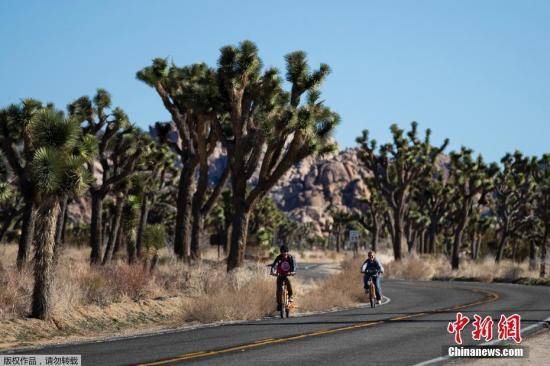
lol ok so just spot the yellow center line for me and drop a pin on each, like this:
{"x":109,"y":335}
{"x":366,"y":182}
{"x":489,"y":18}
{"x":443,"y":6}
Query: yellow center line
{"x":490,"y":297}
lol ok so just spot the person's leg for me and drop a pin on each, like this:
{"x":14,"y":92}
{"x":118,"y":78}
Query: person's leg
{"x":288,"y":286}
{"x":366,"y":282}
{"x":377,"y":286}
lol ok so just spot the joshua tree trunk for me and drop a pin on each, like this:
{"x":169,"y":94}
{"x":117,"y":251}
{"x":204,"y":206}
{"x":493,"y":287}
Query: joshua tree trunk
{"x":114,"y":231}
{"x":197,"y":209}
{"x":399,"y":235}
{"x":197,"y":228}
{"x":501,"y":244}
{"x":375,"y":236}
{"x":47,"y":217}
{"x":59,"y":229}
{"x":532,"y":255}
{"x":227,"y":238}
{"x":144,"y":215}
{"x":476,"y":242}
{"x":96,"y":227}
{"x":238,"y":239}
{"x":459,"y":231}
{"x":27,"y":232}
{"x":432,"y":232}
{"x":239,"y":232}
{"x":120,"y":238}
{"x":183,"y":216}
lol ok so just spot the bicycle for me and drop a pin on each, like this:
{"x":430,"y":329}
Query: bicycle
{"x":286,"y":305}
{"x":371,"y":287}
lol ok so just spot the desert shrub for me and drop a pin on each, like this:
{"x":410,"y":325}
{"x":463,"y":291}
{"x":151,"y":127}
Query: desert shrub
{"x":410,"y":268}
{"x":105,"y":285}
{"x":246,"y":293}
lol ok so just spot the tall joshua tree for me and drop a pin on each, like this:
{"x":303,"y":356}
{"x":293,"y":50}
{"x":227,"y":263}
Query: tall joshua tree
{"x":270,"y":129}
{"x":18,"y":150}
{"x":104,"y":123}
{"x":126,"y":148}
{"x":395,"y":167}
{"x":513,"y":188}
{"x":472,"y":180}
{"x":191,"y":95}
{"x":57,"y":171}
{"x":432,"y":195}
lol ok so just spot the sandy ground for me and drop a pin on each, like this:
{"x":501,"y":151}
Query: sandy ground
{"x":538,"y":348}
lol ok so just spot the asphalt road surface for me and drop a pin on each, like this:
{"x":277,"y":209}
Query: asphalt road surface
{"x":407,"y":330}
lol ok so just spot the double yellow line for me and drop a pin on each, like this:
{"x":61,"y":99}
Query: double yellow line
{"x":489,"y":297}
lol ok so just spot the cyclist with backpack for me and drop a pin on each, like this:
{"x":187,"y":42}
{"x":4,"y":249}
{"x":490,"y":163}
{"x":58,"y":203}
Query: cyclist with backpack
{"x":283,"y":266}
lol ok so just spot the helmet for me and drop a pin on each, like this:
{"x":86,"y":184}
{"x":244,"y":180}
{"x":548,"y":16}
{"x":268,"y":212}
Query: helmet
{"x":284,"y":249}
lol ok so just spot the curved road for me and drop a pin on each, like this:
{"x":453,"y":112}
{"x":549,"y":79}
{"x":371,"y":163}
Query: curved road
{"x":409,"y":329}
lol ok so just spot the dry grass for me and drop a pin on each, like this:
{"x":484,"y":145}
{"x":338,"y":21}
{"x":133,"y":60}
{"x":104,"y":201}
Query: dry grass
{"x":247,"y":293}
{"x":342,"y":289}
{"x":483,"y":270}
{"x":319,"y":256}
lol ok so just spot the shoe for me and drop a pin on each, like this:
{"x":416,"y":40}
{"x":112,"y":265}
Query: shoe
{"x":379,"y":302}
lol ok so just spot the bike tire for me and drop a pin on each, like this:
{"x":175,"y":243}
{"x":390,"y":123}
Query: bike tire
{"x":372,"y":296}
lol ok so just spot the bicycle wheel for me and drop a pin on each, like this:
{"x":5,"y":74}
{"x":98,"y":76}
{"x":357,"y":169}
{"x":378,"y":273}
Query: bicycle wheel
{"x":372,"y":295}
{"x":284,"y":301}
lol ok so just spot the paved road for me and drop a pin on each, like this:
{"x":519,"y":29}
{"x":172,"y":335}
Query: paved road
{"x":410,"y":329}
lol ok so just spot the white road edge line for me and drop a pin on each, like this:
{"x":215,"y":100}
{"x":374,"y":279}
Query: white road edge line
{"x":495,"y":342}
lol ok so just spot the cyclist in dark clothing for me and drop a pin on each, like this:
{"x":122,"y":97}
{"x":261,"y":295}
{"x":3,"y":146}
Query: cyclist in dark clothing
{"x":373,"y":263}
{"x":283,"y":266}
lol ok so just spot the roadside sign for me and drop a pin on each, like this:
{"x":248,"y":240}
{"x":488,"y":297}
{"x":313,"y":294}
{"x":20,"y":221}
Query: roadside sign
{"x":353,"y":236}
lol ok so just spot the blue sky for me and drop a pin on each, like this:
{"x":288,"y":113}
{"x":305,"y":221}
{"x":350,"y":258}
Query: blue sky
{"x":477,"y":72}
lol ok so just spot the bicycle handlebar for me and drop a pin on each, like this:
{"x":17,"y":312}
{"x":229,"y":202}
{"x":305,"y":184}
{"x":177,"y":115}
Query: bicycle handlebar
{"x":371,"y":271}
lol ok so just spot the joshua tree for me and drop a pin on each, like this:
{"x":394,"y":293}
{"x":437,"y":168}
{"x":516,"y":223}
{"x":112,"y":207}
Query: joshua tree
{"x":471,"y":181}
{"x":270,"y":129}
{"x":10,"y":201}
{"x":432,"y":196}
{"x":191,"y":95}
{"x":340,"y":221}
{"x":125,"y":148}
{"x":395,"y":167}
{"x":513,"y":188}
{"x":159,"y":171}
{"x":372,"y":217}
{"x":104,"y":123}
{"x":18,"y":150}
{"x":57,"y":171}
{"x":478,"y":225}
{"x":154,"y":238}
